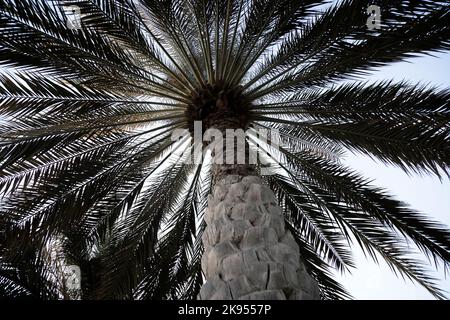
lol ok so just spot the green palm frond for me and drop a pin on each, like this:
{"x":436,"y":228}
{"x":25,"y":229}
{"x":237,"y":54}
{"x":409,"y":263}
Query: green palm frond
{"x":352,"y":50}
{"x":397,"y":123}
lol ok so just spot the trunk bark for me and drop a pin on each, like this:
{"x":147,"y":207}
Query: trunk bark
{"x":249,"y":255}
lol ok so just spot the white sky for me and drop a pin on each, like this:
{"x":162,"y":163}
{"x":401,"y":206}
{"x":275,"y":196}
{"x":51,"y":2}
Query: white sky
{"x":427,"y":194}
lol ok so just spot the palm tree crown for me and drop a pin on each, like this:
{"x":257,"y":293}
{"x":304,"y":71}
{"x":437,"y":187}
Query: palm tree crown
{"x":87,"y":163}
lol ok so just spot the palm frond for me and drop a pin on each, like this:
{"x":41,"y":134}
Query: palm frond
{"x":396,"y":123}
{"x":422,"y":26}
{"x":88,"y":164}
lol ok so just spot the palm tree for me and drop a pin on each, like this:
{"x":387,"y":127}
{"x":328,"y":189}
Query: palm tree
{"x":89,"y":169}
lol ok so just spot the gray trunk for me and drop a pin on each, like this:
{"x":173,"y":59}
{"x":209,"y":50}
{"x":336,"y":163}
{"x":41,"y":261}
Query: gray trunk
{"x":248,"y":252}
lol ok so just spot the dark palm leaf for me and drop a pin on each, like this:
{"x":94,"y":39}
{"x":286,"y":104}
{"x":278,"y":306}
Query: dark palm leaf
{"x":88,"y":166}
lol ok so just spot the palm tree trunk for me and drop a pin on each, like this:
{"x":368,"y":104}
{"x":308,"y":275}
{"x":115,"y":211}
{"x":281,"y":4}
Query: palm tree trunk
{"x":249,"y":254}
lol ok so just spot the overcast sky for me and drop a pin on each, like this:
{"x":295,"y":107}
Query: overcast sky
{"x":426,"y":194}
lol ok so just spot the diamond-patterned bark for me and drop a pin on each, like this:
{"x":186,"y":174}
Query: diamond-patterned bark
{"x":249,"y":254}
